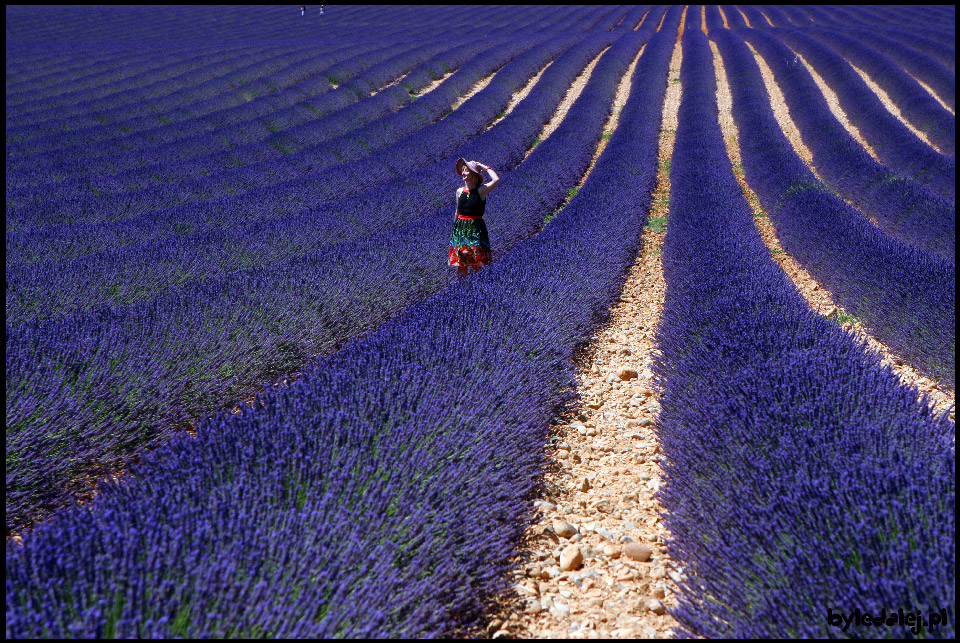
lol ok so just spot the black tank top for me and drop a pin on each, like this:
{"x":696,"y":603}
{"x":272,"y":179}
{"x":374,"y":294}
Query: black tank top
{"x":471,"y":205}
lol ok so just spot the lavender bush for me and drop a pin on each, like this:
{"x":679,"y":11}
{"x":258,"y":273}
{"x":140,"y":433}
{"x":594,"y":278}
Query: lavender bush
{"x":796,"y":466}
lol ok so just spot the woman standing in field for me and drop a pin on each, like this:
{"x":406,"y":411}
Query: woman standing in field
{"x":470,"y":245}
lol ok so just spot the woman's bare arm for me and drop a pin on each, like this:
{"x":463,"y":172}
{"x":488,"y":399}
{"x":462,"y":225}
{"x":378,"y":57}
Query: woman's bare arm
{"x":494,"y":181}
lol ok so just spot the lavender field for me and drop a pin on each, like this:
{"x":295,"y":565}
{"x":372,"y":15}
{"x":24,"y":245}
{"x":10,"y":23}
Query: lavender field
{"x":248,"y":397}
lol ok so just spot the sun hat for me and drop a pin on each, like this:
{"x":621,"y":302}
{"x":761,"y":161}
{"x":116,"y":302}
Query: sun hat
{"x":470,"y":164}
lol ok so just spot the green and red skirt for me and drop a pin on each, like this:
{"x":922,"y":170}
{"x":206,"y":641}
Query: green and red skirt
{"x":469,"y":245}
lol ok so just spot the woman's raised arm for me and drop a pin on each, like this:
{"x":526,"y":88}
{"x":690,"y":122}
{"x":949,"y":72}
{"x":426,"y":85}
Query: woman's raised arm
{"x":494,"y":180}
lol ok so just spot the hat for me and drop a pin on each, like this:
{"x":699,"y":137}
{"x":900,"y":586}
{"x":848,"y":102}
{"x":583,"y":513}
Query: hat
{"x":470,"y":164}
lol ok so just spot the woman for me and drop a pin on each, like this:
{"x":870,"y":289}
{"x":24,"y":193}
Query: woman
{"x":470,"y":245}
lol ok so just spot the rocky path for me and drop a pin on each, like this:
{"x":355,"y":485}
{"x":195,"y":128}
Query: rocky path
{"x":595,"y":564}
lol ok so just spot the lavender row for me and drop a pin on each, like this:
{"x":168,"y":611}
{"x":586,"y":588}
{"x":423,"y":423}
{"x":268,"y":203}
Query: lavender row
{"x":777,"y":15}
{"x":147,"y":26}
{"x":734,"y":18}
{"x":24,"y":68}
{"x":790,"y":17}
{"x":895,"y":145}
{"x":910,"y":17}
{"x":367,"y":462}
{"x":367,"y":210}
{"x":216,"y":141}
{"x":692,"y":19}
{"x":633,"y":17}
{"x":133,"y":125}
{"x":191,"y":217}
{"x":713,"y":17}
{"x":944,"y":54}
{"x":904,"y":209}
{"x":91,"y":142}
{"x":405,"y":34}
{"x":181,"y":262}
{"x":52,"y":75}
{"x":782,"y":436}
{"x":754,"y":16}
{"x":47,"y":116}
{"x":914,"y":37}
{"x":904,"y":295}
{"x":400,"y":140}
{"x":145,"y":171}
{"x":122,"y":68}
{"x":230,"y":117}
{"x":230,"y":336}
{"x":915,"y":103}
{"x":88,"y":283}
{"x":796,"y":16}
{"x":608,"y":18}
{"x":118,"y":204}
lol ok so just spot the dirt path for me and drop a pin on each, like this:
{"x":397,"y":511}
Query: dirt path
{"x":573,"y":93}
{"x":601,"y":506}
{"x":520,"y":95}
{"x":426,"y":90}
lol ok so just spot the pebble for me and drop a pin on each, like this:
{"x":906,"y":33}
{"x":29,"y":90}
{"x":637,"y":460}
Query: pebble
{"x":656,"y":606}
{"x":626,"y":373}
{"x":611,"y":551}
{"x":585,"y":485}
{"x":637,"y":551}
{"x":564,"y":529}
{"x":524,"y":590}
{"x":571,"y":558}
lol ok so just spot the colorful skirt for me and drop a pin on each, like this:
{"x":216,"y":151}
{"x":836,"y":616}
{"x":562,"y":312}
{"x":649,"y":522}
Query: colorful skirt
{"x":469,"y":245}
